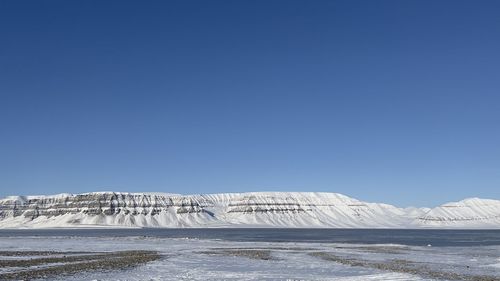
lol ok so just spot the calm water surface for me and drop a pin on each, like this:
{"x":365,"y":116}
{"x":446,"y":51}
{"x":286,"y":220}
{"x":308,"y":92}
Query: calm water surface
{"x":420,"y":237}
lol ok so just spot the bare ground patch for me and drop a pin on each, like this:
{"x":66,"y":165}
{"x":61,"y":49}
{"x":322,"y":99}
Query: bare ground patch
{"x":378,"y":249}
{"x":258,"y":254}
{"x":38,"y":253}
{"x":404,"y":266}
{"x":72,"y":264}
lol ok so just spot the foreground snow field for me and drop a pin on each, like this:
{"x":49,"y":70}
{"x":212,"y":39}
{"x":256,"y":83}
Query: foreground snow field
{"x":193,"y":259}
{"x":253,"y":209}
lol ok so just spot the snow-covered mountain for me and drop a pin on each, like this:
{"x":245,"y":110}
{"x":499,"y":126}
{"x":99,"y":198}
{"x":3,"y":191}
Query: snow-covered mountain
{"x":255,"y":209}
{"x":468,"y":213}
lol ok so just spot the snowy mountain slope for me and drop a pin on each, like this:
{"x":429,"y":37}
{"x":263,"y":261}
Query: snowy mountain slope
{"x":102,"y":208}
{"x":253,"y":209}
{"x":294,"y":209}
{"x":468,"y":213}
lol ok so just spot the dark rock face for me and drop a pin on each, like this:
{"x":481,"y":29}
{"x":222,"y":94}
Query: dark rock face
{"x":106,"y":204}
{"x":113,"y":203}
{"x":253,"y":204}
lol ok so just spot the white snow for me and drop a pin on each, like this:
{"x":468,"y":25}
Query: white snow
{"x":468,"y":213}
{"x":183,"y":260}
{"x":252,"y":209}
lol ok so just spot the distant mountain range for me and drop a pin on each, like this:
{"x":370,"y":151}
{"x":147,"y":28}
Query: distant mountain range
{"x":253,"y":209}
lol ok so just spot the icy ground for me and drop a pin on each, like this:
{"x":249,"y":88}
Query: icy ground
{"x":193,"y":259}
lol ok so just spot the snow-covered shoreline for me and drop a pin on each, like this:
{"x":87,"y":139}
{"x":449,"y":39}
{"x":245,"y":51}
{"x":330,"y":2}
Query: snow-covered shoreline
{"x":202,"y":259}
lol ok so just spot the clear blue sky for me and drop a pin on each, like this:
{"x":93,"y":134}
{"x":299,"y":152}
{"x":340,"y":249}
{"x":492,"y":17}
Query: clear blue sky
{"x":386,"y":101}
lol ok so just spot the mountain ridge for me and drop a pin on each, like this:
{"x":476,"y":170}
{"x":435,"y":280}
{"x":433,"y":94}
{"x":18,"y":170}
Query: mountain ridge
{"x":250,"y":209}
